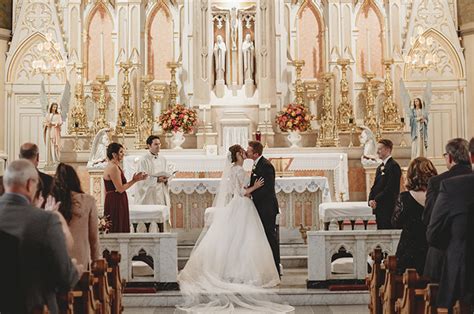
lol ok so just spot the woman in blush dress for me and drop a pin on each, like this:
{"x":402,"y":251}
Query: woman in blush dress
{"x":116,"y":185}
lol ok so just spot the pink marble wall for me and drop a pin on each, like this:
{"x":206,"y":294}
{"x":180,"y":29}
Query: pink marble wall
{"x":368,"y":19}
{"x":160,"y":43}
{"x":101,"y":21}
{"x":310,"y":41}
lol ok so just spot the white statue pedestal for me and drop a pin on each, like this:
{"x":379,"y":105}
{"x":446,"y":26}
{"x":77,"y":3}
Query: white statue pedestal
{"x":220,"y":88}
{"x":249,"y":88}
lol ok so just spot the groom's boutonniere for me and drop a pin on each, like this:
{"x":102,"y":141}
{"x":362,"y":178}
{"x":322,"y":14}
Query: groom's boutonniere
{"x":382,"y":170}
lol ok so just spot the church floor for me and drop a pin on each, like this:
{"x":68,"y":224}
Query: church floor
{"x":315,"y":309}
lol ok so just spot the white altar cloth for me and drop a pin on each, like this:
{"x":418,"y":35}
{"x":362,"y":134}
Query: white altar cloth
{"x":198,"y":162}
{"x":148,"y":213}
{"x":345,"y":210}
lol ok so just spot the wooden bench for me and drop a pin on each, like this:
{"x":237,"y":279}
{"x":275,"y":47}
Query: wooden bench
{"x":392,"y":289}
{"x":118,"y":284}
{"x":431,"y":292}
{"x":84,"y":301}
{"x":413,"y":294}
{"x":103,"y":292}
{"x":375,"y":281}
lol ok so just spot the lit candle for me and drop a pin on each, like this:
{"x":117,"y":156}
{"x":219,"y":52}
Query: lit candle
{"x":102,"y":65}
{"x":368,"y":51}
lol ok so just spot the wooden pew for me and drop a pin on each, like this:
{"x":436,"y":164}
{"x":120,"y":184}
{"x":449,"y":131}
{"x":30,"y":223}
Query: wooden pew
{"x":103,"y":292}
{"x":392,"y":289}
{"x":376,"y":279}
{"x":458,"y":308}
{"x":65,"y":302}
{"x":84,"y":301}
{"x":431,"y":293}
{"x":413,"y":294}
{"x":113,"y":260}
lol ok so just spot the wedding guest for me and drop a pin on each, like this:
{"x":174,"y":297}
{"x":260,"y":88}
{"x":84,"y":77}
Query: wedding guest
{"x":80,"y":211}
{"x":451,"y":231}
{"x":116,"y":185}
{"x":458,"y":163}
{"x":384,"y":192}
{"x":39,"y":265}
{"x":411,"y":250}
{"x":30,"y":151}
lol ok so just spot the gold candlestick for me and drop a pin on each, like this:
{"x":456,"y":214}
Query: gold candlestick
{"x":145,"y":127}
{"x":173,"y":84}
{"x":344,"y":110}
{"x":328,"y":135}
{"x":101,"y":122}
{"x":390,"y":115}
{"x":78,"y":111}
{"x":299,"y":86}
{"x":370,"y":119}
{"x":126,"y":113}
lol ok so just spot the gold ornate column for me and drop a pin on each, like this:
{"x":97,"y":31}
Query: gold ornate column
{"x":78,"y":115}
{"x":145,"y":127}
{"x":100,"y":121}
{"x":390,"y":114}
{"x":345,"y":115}
{"x":328,"y":135}
{"x":370,"y":119}
{"x":299,"y":86}
{"x":126,"y":123}
{"x":173,"y":84}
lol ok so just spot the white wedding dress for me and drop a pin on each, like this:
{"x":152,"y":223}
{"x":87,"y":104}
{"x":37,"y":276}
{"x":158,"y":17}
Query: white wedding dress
{"x":232,"y":261}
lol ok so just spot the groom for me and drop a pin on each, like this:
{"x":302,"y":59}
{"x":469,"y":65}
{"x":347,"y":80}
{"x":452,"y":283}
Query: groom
{"x":264,"y":198}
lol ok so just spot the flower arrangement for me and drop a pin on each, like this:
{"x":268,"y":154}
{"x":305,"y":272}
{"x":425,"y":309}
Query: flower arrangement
{"x":294,"y":117}
{"x":178,"y":119}
{"x":104,"y":224}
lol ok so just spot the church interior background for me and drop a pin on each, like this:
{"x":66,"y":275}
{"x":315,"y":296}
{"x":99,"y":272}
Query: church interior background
{"x":238,"y":64}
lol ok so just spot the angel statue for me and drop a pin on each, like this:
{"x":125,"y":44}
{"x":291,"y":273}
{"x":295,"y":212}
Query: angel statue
{"x":367,"y":139}
{"x":98,"y":156}
{"x":418,"y":112}
{"x":54,"y":115}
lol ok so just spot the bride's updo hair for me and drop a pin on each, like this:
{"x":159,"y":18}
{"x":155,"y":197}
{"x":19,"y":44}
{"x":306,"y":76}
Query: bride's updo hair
{"x":234,"y":149}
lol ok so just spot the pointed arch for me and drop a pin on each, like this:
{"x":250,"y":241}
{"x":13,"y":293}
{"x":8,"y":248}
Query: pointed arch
{"x":370,"y":40}
{"x":99,"y":21}
{"x":449,"y":66}
{"x":310,"y":26}
{"x":159,"y":41}
{"x":20,"y":68}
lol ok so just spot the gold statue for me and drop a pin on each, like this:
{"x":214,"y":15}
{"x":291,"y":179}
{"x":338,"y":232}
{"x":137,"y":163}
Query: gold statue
{"x":299,"y":86}
{"x":173,"y":85}
{"x":78,"y":116}
{"x":328,"y":135}
{"x":370,"y":119}
{"x":145,"y":127}
{"x":100,"y":121}
{"x":344,"y":112}
{"x":390,"y":114}
{"x":126,"y":118}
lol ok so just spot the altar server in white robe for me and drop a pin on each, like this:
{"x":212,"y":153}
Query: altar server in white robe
{"x":153,"y":190}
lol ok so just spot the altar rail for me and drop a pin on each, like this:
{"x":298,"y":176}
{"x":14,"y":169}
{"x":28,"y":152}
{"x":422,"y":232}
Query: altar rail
{"x":161,"y":249}
{"x":324,"y":247}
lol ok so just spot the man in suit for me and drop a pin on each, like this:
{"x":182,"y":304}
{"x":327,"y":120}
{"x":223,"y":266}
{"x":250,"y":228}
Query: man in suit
{"x":458,"y":163}
{"x":30,"y":151}
{"x":451,"y":230}
{"x":41,"y":256}
{"x":264,"y":198}
{"x":386,"y":188}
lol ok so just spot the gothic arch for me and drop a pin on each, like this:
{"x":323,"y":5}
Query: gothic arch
{"x":20,"y":68}
{"x":450,"y":65}
{"x":311,"y":42}
{"x":369,"y":12}
{"x":159,"y":40}
{"x":99,"y":11}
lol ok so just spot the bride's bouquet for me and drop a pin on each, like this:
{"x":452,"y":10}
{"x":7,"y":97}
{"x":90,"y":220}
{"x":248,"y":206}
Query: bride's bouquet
{"x":178,"y":119}
{"x":294,"y":117}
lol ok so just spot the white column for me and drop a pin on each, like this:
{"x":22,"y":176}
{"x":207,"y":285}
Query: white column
{"x":5,"y":36}
{"x":467,"y":33}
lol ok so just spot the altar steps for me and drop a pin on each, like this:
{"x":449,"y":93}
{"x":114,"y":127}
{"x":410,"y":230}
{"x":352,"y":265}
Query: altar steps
{"x":291,"y":255}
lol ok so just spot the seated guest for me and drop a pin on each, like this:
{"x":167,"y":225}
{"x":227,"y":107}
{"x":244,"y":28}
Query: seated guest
{"x":30,"y":151}
{"x":44,"y":266}
{"x":458,"y":163}
{"x":116,"y":185}
{"x":411,"y":250}
{"x":80,"y":212}
{"x":384,"y":192}
{"x":451,"y":230}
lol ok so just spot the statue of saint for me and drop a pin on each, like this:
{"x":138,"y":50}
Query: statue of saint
{"x":248,"y":51}
{"x":234,"y":23}
{"x":220,"y":57}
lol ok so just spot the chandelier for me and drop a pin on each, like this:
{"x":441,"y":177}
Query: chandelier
{"x":423,"y":56}
{"x":47,"y":62}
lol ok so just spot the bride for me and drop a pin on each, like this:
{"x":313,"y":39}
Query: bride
{"x":232,"y":260}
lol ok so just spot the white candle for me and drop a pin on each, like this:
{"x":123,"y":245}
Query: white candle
{"x":368,"y":51}
{"x":102,"y":61}
{"x":266,"y":114}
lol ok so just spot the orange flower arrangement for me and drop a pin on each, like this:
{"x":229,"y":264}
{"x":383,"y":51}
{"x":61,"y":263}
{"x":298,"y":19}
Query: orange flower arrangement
{"x":294,"y":118}
{"x":178,"y":119}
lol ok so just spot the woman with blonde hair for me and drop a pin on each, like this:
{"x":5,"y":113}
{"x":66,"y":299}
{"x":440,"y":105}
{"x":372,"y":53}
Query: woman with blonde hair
{"x":412,"y":248}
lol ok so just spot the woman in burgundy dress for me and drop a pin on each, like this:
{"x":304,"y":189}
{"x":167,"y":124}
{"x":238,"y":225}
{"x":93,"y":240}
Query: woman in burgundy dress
{"x":116,"y":201}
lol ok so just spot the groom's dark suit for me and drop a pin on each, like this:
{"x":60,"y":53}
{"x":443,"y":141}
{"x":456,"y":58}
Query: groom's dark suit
{"x":266,"y":202}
